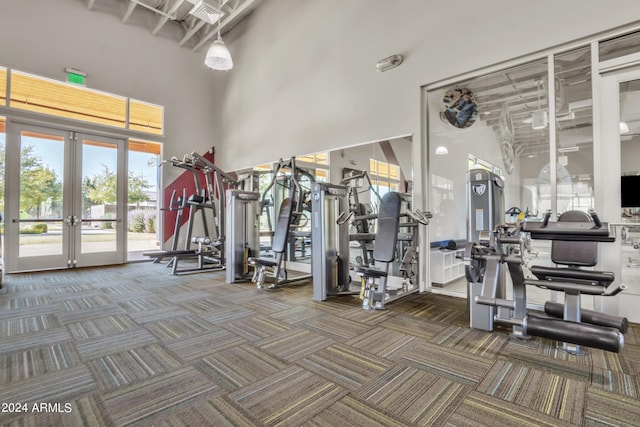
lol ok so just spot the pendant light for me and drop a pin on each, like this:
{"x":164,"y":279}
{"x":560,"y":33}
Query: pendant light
{"x":218,"y":56}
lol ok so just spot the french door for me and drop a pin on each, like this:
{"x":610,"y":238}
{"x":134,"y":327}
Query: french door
{"x":65,"y":201}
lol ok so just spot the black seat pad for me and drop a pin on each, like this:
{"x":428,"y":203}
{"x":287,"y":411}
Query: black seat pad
{"x":269,"y":262}
{"x":370,"y":272}
{"x":602,"y":278}
{"x":362,"y":237}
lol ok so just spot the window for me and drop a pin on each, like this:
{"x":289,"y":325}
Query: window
{"x":317,"y":164}
{"x":145,"y":117}
{"x":143,"y":181}
{"x":384,"y":170}
{"x":3,"y":86}
{"x":62,"y":99}
{"x":317,"y":158}
{"x":40,"y":95}
{"x":384,"y":177}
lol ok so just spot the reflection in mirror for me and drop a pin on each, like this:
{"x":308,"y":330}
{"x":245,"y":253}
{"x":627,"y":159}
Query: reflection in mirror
{"x":369,"y":171}
{"x":275,"y":182}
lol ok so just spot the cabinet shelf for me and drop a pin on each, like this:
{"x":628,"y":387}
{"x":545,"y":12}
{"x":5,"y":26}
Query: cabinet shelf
{"x":446,"y":266}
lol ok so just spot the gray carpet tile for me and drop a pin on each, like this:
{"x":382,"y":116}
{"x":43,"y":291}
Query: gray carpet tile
{"x":133,"y":346}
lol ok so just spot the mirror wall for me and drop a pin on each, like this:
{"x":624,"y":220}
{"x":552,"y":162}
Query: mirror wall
{"x":386,"y":166}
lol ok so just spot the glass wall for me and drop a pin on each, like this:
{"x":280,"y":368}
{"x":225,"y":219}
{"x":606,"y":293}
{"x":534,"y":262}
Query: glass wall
{"x":574,"y":130}
{"x":630,"y":185}
{"x":506,"y":132}
{"x":503,"y":122}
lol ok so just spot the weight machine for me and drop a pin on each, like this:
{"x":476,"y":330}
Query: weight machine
{"x":574,"y":245}
{"x":330,"y":219}
{"x":241,"y":233}
{"x":392,"y":246}
{"x":292,"y":182}
{"x":273,"y":270}
{"x":209,"y":197}
{"x":363,"y":213}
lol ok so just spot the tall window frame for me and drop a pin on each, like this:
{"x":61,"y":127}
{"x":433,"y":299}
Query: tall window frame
{"x":22,"y":91}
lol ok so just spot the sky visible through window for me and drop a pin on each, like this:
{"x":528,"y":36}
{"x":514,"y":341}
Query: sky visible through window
{"x":51,"y":154}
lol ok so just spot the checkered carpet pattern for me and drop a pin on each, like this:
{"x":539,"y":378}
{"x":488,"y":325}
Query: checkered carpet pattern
{"x":133,"y":346}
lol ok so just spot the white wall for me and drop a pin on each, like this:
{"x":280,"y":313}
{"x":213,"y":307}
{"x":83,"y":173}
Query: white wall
{"x":304,"y":77}
{"x":44,"y":37}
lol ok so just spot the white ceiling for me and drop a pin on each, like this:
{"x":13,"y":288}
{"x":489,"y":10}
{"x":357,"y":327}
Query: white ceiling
{"x":173,"y":18}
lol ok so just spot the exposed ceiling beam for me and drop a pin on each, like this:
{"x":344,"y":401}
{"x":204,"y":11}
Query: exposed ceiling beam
{"x":191,"y":32}
{"x":196,"y":30}
{"x":163,"y":19}
{"x":132,"y":6}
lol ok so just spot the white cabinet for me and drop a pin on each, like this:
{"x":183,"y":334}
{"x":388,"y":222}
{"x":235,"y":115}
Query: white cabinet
{"x":446,"y":266}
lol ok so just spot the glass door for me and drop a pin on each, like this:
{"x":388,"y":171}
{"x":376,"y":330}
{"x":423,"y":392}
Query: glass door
{"x":64,"y":199}
{"x":98,"y":202}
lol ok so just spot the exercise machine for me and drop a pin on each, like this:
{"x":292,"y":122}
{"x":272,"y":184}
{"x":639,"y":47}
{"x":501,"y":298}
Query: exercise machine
{"x":485,"y":202}
{"x":575,"y":236}
{"x":330,"y":221}
{"x":208,"y":201}
{"x":364,"y":216}
{"x":241,"y":234}
{"x":376,"y":289}
{"x":273,"y":270}
{"x":292,"y":182}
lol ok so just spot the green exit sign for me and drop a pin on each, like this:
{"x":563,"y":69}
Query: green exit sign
{"x":76,"y":78}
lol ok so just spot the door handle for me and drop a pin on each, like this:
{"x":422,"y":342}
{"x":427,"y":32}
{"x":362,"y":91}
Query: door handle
{"x":71,"y":220}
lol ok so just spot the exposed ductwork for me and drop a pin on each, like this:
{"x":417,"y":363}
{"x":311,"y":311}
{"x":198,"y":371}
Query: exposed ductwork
{"x":196,"y":21}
